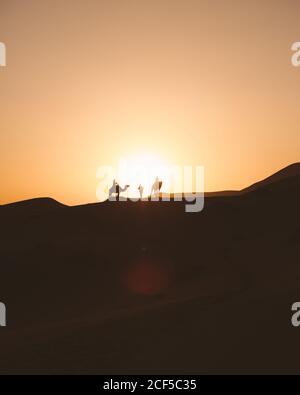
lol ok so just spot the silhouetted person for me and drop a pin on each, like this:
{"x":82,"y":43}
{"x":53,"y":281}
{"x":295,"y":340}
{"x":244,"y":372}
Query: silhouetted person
{"x":141,"y":190}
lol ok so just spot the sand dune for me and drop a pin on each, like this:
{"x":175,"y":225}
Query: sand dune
{"x":286,"y":173}
{"x":146,"y":288}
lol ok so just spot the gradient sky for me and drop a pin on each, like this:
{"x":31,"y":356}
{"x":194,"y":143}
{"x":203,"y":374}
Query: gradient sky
{"x":195,"y":82}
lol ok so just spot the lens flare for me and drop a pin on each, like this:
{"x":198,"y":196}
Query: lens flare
{"x":147,"y":277}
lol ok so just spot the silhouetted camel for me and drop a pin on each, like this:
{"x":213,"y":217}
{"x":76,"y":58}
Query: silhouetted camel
{"x":117,"y":189}
{"x":156,"y":187}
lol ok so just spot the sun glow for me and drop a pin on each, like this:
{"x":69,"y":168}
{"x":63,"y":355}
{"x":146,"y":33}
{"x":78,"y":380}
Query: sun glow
{"x":142,"y":169}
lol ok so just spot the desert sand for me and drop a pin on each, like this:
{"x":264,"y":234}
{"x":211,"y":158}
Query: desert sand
{"x":124,"y":287}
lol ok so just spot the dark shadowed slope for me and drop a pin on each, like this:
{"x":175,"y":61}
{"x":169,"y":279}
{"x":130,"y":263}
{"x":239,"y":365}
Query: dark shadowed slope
{"x":146,"y":288}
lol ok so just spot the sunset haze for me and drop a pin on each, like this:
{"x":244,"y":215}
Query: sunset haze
{"x":193,"y":82}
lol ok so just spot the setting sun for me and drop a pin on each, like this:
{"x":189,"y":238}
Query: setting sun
{"x":142,"y":169}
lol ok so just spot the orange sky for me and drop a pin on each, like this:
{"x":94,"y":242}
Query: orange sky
{"x":195,"y":82}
